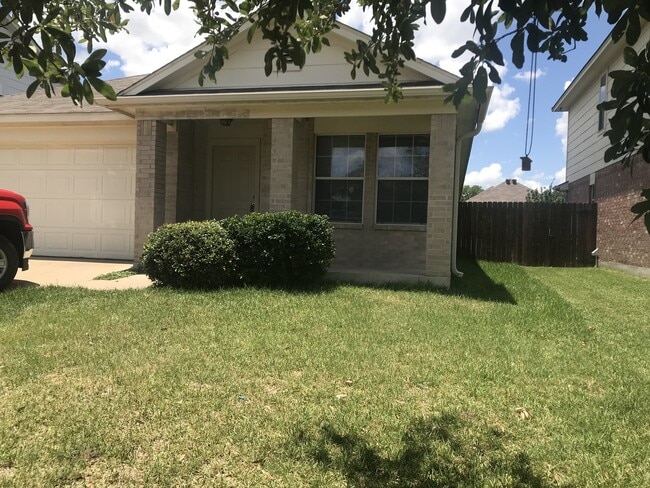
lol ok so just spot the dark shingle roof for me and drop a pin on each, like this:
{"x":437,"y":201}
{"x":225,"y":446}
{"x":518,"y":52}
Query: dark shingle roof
{"x":19,"y":104}
{"x":508,"y":191}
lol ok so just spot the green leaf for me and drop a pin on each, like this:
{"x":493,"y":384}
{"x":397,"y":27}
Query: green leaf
{"x":480,"y":85}
{"x":88,"y":92}
{"x":103,"y":88}
{"x":517,"y":46}
{"x":31,"y":89}
{"x":438,"y":10}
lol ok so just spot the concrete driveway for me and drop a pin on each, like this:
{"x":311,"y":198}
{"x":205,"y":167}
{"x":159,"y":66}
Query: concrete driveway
{"x":78,"y":272}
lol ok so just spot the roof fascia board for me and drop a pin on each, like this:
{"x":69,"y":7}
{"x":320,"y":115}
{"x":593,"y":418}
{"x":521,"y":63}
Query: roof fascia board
{"x":63,"y":119}
{"x":288,"y":95}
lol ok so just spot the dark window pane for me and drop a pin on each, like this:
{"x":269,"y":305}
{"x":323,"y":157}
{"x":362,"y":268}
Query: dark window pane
{"x":386,"y":167}
{"x":337,"y":212}
{"x":385,"y":191}
{"x":402,"y":191}
{"x":323,"y":146}
{"x":339,"y":190}
{"x":404,"y":167}
{"x":420,"y":191}
{"x":402,"y":213}
{"x":323,"y":189}
{"x":386,"y":141}
{"x":404,"y":142}
{"x":322,"y":207}
{"x":354,"y":212}
{"x":420,"y":166}
{"x":355,"y":190}
{"x":340,"y":141}
{"x":421,"y":143}
{"x":323,"y":167}
{"x":419,"y":213}
{"x":384,"y":213}
{"x":358,"y":142}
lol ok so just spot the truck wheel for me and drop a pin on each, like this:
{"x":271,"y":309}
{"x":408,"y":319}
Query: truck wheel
{"x":8,"y":262}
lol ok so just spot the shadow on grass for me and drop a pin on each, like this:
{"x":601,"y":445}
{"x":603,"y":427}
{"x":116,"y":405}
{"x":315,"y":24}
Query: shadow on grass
{"x":476,"y":284}
{"x":436,"y":452}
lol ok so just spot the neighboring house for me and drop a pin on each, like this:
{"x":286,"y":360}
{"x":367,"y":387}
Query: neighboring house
{"x":589,"y":179}
{"x":508,"y":191}
{"x":99,"y":179}
{"x":9,"y":84}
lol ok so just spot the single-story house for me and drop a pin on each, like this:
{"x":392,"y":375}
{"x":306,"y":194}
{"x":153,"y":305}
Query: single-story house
{"x":588,"y":178}
{"x":101,"y":177}
{"x":509,"y":190}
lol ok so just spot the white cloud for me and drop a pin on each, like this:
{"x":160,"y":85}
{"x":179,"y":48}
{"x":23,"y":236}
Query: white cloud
{"x":113,"y":63}
{"x":560,"y":176}
{"x":154,"y":40}
{"x":561,"y":129}
{"x":503,"y":108}
{"x":525,"y":75}
{"x":358,"y":18}
{"x":485,"y":177}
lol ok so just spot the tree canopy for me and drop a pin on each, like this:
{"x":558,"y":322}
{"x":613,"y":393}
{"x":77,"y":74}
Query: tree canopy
{"x":470,"y":191}
{"x":546,"y":195}
{"x":39,"y":39}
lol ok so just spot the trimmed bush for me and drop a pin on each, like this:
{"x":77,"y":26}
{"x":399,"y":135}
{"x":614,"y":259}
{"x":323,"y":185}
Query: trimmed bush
{"x":281,"y":249}
{"x":190,"y":255}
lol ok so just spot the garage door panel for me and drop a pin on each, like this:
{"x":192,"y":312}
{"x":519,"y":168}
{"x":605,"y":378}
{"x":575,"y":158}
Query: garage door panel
{"x":31,"y":157}
{"x":118,"y":184}
{"x":60,"y":156}
{"x":58,"y":183}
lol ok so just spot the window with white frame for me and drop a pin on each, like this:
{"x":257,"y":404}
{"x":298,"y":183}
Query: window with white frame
{"x":402,"y":179}
{"x":602,"y":96}
{"x":340,"y":164}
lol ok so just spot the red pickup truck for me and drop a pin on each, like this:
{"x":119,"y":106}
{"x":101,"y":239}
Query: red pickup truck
{"x":16,"y":236}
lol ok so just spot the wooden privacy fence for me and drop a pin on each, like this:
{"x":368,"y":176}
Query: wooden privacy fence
{"x":532,"y":234}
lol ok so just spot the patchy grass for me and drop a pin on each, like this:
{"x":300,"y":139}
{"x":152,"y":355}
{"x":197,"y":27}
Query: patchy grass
{"x":516,"y":377}
{"x":116,"y":275}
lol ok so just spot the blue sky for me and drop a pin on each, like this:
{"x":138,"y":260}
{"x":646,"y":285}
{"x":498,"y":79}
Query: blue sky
{"x":497,"y":150}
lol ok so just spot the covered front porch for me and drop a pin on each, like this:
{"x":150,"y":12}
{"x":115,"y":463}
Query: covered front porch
{"x":213,"y":168}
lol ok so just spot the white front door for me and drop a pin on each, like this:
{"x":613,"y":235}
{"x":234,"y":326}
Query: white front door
{"x":235,"y":179}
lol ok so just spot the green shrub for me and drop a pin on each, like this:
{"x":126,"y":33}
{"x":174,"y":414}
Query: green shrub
{"x":285,"y":248}
{"x":190,"y":255}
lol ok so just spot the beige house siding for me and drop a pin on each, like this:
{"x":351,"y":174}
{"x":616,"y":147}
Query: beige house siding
{"x":586,"y":144}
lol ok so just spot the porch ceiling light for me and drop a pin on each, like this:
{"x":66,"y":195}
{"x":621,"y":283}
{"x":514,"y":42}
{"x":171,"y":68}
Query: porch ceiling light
{"x":225,"y":122}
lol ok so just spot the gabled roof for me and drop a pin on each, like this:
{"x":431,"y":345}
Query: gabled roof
{"x":243,"y":70}
{"x":508,"y":191}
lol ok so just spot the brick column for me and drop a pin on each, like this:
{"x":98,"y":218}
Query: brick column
{"x":149,"y":180}
{"x":441,"y":191}
{"x":282,"y":136}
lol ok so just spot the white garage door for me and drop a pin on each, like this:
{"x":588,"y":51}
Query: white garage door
{"x":80,"y":193}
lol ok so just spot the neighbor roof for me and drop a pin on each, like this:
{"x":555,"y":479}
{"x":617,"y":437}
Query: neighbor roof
{"x":508,"y":191}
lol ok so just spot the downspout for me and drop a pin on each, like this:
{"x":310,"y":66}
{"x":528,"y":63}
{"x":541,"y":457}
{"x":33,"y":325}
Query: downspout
{"x":454,"y":220}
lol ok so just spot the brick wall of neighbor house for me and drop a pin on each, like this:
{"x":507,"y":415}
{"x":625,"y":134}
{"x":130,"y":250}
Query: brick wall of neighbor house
{"x":616,"y":191}
{"x":579,"y":191}
{"x":265,"y":167}
{"x":150,"y":174}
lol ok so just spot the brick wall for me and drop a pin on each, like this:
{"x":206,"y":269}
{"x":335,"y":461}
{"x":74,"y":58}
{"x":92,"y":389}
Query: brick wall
{"x":579,"y":191}
{"x":441,"y":191}
{"x":616,"y":191}
{"x":150,"y":174}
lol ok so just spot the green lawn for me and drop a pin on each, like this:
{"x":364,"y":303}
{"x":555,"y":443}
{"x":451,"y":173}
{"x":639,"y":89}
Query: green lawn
{"x":516,"y":377}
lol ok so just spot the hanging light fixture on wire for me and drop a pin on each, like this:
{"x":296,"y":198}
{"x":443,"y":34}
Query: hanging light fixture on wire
{"x":530,"y":115}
